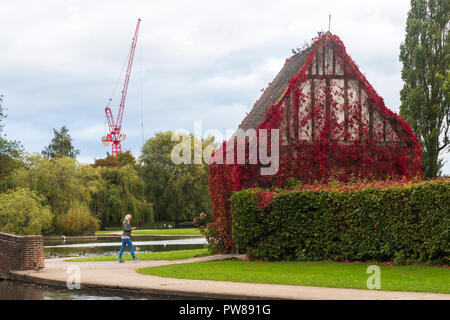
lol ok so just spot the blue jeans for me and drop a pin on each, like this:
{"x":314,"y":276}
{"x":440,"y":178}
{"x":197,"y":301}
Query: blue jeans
{"x":126,"y":242}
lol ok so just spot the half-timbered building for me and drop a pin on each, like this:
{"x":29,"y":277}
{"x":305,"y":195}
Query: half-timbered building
{"x":332,"y":125}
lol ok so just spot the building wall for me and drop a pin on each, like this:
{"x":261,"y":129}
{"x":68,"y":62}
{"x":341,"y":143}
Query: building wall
{"x":348,"y":102}
{"x":20,"y":252}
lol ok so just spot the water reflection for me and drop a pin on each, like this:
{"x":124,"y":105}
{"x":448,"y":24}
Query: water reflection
{"x":16,"y":290}
{"x":12,"y":290}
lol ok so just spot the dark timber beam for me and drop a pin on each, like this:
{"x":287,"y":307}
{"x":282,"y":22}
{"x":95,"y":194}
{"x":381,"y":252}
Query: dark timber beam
{"x":313,"y":88}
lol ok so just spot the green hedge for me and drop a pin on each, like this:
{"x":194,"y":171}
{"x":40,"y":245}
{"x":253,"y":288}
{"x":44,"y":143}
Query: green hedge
{"x":405,"y":224}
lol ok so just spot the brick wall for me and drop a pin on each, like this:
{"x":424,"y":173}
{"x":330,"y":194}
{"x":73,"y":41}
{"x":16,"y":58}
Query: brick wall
{"x":20,"y":252}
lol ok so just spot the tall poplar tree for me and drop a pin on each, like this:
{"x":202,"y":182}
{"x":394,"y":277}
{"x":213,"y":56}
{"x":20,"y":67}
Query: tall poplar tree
{"x":425,"y":55}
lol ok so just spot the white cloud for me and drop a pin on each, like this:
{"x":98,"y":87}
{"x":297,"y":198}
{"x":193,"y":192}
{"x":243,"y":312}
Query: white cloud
{"x":94,"y":132}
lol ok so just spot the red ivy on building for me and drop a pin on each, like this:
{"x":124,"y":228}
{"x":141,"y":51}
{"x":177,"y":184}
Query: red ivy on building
{"x":323,"y":156}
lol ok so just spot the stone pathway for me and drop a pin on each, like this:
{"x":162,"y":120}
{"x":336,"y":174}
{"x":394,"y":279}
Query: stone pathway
{"x":112,"y":275}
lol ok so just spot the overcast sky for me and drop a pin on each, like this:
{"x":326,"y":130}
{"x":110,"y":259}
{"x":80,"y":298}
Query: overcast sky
{"x":199,"y":60}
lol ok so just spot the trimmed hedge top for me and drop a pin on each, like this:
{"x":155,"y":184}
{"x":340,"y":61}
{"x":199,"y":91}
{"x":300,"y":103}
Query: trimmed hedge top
{"x":400,"y":221}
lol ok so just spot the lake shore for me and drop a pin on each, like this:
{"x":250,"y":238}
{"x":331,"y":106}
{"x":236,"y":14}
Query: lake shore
{"x":110,"y":275}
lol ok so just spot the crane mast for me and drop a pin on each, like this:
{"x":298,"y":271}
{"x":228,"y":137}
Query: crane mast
{"x":115,"y":136}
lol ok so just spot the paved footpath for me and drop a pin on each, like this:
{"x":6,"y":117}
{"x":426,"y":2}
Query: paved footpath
{"x":112,"y":275}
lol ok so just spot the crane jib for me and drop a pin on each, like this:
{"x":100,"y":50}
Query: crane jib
{"x":115,"y":136}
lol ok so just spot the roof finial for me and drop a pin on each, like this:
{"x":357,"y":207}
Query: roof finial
{"x":329,"y":22}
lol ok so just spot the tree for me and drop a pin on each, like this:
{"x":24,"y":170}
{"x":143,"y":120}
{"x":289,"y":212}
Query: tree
{"x":110,"y":162}
{"x":120,"y":191}
{"x":80,"y":196}
{"x":122,"y":159}
{"x":67,"y":188}
{"x":11,"y":152}
{"x":178,"y":191}
{"x":61,"y":145}
{"x":23,"y":212}
{"x":77,"y":220}
{"x":126,"y":159}
{"x":425,"y":55}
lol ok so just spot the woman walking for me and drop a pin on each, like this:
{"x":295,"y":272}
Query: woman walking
{"x":126,"y":238}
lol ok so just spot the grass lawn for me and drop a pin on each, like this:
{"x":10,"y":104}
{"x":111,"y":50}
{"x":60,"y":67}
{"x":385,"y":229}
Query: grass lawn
{"x":108,"y":230}
{"x":158,"y":232}
{"x":321,"y":274}
{"x":164,"y":255}
{"x":169,"y":232}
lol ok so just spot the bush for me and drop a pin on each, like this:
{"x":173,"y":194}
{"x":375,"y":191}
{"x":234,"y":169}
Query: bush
{"x":22,"y":212}
{"x":210,"y":232}
{"x":400,"y":222}
{"x":77,"y":220}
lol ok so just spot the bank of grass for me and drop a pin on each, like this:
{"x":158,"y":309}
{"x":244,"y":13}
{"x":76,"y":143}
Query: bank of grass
{"x":157,"y":232}
{"x":108,"y":230}
{"x":169,"y":232}
{"x":163,"y":255}
{"x":321,"y":274}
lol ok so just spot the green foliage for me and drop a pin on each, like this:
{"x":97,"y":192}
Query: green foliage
{"x":120,"y":191}
{"x":425,"y":55}
{"x":77,"y":220}
{"x":405,"y":224}
{"x":126,"y":159}
{"x":179,"y":191}
{"x":66,"y":186}
{"x":122,"y":159}
{"x":23,"y":212}
{"x":11,"y":152}
{"x":61,"y":145}
{"x":62,"y":181}
{"x":216,"y":243}
{"x":80,"y":196}
{"x":109,"y":161}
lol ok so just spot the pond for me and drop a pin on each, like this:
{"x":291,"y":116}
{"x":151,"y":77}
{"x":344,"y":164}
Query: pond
{"x":110,"y":246}
{"x":16,"y":290}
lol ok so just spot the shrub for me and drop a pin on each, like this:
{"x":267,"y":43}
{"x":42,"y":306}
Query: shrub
{"x":22,"y":212}
{"x":213,"y":235}
{"x":210,"y":232}
{"x":401,"y":222}
{"x":77,"y":220}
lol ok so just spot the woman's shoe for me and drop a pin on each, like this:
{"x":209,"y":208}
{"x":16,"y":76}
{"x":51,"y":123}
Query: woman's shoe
{"x":121,"y":261}
{"x":136,"y":260}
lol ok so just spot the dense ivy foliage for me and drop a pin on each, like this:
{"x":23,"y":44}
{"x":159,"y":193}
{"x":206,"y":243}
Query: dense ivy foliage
{"x":402,"y":221}
{"x":321,"y":145}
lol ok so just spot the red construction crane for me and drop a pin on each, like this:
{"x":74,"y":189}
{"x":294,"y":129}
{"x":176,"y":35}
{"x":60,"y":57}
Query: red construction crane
{"x":114,"y":135}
